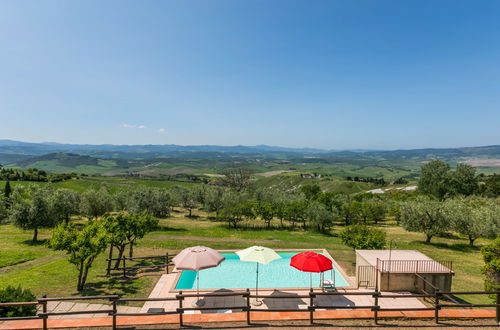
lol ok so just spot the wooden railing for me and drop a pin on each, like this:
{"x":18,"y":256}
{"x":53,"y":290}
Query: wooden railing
{"x":167,"y":258}
{"x":248,"y":308}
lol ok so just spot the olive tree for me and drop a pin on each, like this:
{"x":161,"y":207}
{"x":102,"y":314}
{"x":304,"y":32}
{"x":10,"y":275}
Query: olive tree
{"x":95,"y":203}
{"x":426,"y":215}
{"x":155,"y":201}
{"x":265,"y":210}
{"x":64,"y":204}
{"x":31,"y":209}
{"x":213,"y":200}
{"x":319,"y":217}
{"x":475,"y":217}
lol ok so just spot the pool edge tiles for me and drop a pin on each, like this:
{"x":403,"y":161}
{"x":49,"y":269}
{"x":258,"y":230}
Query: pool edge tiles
{"x":234,"y":274}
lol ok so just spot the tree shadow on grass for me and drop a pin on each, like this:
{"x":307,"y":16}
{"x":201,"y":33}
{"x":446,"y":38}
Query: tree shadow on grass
{"x":112,"y":284}
{"x":460,"y":247}
{"x":166,"y":228}
{"x":37,"y":243}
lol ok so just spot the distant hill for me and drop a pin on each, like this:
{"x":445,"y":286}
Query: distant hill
{"x":168,"y":160}
{"x":29,"y":148}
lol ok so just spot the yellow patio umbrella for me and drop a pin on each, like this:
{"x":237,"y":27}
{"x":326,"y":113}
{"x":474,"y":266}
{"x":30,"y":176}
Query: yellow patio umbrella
{"x":259,"y":255}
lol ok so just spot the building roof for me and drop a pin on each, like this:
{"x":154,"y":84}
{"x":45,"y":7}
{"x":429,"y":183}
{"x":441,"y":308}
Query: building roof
{"x":403,"y":261}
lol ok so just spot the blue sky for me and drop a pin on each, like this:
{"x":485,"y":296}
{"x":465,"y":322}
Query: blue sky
{"x":330,"y":74}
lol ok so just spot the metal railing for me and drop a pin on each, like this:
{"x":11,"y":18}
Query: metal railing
{"x":415,"y":266}
{"x":247,"y":307}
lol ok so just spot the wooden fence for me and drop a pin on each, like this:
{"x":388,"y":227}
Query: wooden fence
{"x":248,"y":308}
{"x":167,"y":258}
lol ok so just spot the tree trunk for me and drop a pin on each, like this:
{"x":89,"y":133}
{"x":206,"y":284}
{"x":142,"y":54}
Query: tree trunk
{"x":131,"y":249}
{"x":268,"y":224}
{"x":471,"y":241}
{"x":190,"y":212}
{"x":84,"y":277}
{"x":66,"y":220}
{"x":80,"y":273}
{"x":35,"y":236}
{"x":428,"y":238}
{"x":121,"y":250}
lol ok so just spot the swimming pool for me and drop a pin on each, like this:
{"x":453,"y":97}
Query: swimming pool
{"x":233,"y":273}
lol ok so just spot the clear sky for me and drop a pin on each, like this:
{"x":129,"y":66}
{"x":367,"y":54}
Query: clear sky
{"x":329,"y":74}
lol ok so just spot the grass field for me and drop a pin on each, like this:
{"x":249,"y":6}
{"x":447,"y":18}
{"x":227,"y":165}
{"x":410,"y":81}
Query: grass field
{"x":47,"y":272}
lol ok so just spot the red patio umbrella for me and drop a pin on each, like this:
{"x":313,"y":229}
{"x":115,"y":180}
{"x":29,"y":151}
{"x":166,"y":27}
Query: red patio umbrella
{"x":311,"y":262}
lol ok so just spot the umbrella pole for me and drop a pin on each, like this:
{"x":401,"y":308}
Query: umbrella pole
{"x":198,"y":302}
{"x":311,"y":280}
{"x":257,"y":302}
{"x":257,"y":282}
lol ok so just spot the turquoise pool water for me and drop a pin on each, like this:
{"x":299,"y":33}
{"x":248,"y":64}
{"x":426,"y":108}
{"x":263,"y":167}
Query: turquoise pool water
{"x":233,"y":273}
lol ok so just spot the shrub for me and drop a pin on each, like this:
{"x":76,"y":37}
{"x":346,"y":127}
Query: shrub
{"x":363,"y":237}
{"x":491,"y":268}
{"x":12,"y":294}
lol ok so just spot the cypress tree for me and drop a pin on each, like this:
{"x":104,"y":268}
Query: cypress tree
{"x":7,"y":190}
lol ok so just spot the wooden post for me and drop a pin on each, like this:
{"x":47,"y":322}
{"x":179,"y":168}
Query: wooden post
{"x":181,"y":321}
{"x":124,"y":267}
{"x":110,"y":256}
{"x":376,"y":306}
{"x":167,"y":261}
{"x":311,"y":305}
{"x":436,"y":306}
{"x":114,"y":314}
{"x":44,"y":310}
{"x":498,"y":305}
{"x":248,"y":306}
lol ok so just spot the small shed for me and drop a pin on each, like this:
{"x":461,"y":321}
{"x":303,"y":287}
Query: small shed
{"x":402,"y":270}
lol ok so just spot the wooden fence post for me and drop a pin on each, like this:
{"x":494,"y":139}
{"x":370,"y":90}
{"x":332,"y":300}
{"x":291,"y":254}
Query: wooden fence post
{"x":248,"y":306}
{"x":311,"y":306}
{"x":436,"y":306}
{"x":181,"y":321}
{"x":110,"y":256}
{"x":376,"y":306}
{"x":114,"y":313}
{"x":498,"y":305}
{"x":167,"y":261}
{"x":44,"y":310}
{"x":124,"y":267}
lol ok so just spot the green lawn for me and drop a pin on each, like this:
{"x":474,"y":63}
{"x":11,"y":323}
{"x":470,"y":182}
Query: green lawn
{"x":47,"y":272}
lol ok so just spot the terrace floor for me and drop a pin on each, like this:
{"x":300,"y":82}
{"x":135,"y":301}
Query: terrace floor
{"x":167,"y":281}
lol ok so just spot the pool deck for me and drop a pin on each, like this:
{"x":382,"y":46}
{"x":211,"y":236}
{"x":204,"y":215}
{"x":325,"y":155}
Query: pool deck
{"x":163,"y":289}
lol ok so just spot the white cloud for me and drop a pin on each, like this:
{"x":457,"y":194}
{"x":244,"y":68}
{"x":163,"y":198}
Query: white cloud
{"x":132,"y":126}
{"x":161,"y":130}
